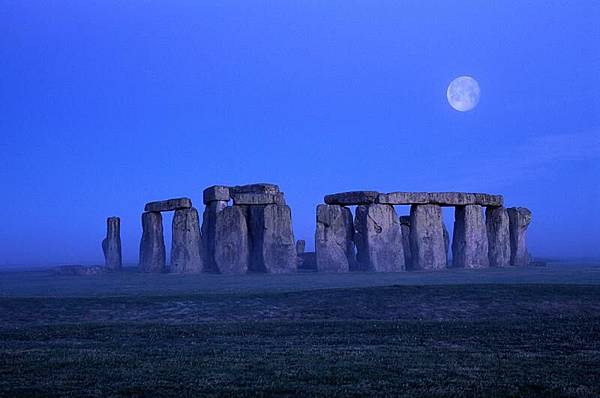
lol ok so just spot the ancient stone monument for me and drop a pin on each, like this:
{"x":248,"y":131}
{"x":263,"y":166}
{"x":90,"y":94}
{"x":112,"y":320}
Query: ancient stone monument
{"x":497,"y":225}
{"x":470,"y":240}
{"x":334,"y":247}
{"x":152,"y":245}
{"x":519,"y":218}
{"x":111,"y":245}
{"x":185,"y":249}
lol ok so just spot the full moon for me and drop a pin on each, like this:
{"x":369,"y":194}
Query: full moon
{"x":463,"y":93}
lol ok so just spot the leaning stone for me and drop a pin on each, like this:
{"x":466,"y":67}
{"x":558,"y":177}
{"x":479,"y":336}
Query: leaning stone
{"x":497,"y":225}
{"x":111,"y":245}
{"x":185,"y":247}
{"x":352,"y":198}
{"x":232,"y":243}
{"x":216,"y":193}
{"x":152,"y":246}
{"x":378,"y":239}
{"x":168,"y":205}
{"x":441,"y":198}
{"x":470,"y":241}
{"x":334,"y":246}
{"x":254,"y":188}
{"x":273,"y":245}
{"x":519,"y":219}
{"x":258,"y":198}
{"x":428,"y":248}
{"x":405,"y":227}
{"x":300,"y":246}
{"x":209,"y":221}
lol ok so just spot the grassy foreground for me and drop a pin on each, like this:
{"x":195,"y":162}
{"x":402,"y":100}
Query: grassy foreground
{"x":504,"y":339}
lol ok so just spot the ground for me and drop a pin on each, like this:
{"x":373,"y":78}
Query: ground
{"x":499,"y":332}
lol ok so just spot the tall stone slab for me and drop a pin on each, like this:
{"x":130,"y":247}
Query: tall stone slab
{"x":378,"y":238}
{"x":427,"y":244}
{"x":209,"y":221}
{"x":519,"y":219}
{"x":273,"y":247}
{"x":185,"y":247}
{"x":334,"y":246}
{"x":405,"y":227}
{"x":232,"y":242}
{"x":470,"y":241}
{"x":300,"y":246}
{"x":152,"y":246}
{"x":111,"y":245}
{"x":497,"y":225}
{"x":446,"y":240}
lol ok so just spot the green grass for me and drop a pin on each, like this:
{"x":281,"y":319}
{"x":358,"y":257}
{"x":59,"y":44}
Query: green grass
{"x":303,"y":335}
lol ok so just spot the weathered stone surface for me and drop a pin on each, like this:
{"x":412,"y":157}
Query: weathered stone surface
{"x":272,"y":239}
{"x":440,"y":198}
{"x":497,"y":224}
{"x":209,"y":221}
{"x":216,"y":193}
{"x":258,"y":198}
{"x":334,"y":246}
{"x":232,"y":242}
{"x":111,"y":245}
{"x":168,"y":205}
{"x":185,"y":247}
{"x":378,"y":238}
{"x":405,"y":227}
{"x":254,"y":188}
{"x":308,"y":262}
{"x":519,"y":219}
{"x":446,"y":240}
{"x":300,"y":246}
{"x":428,"y":248}
{"x":469,"y":242}
{"x":352,"y":198}
{"x":152,"y":246}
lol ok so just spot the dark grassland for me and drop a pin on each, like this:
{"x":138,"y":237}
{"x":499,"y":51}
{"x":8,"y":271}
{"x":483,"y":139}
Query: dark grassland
{"x":302,"y":335}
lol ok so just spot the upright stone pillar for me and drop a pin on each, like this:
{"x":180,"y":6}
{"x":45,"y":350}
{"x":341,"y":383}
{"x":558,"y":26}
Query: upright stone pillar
{"x":272,"y":239}
{"x":405,"y":227}
{"x":446,"y":240}
{"x":232,"y":243}
{"x":152,"y":246}
{"x":470,"y":242}
{"x":427,"y":244}
{"x":497,"y":225}
{"x":334,"y":246}
{"x":209,"y":231}
{"x":300,"y":246}
{"x":379,"y":238}
{"x":519,"y":219}
{"x":111,"y":245}
{"x":185,"y":248}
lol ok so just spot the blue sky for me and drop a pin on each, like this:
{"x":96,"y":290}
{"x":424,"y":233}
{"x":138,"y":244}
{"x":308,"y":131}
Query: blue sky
{"x":107,"y":105}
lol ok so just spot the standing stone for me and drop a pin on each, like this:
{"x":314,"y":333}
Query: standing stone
{"x":405,"y":227}
{"x":152,"y":246}
{"x":428,"y":248}
{"x":446,"y":240}
{"x":497,"y":225}
{"x":379,"y":238}
{"x":272,"y":239}
{"x":334,"y":246}
{"x":232,"y":243}
{"x":209,"y":220}
{"x":300,"y":246}
{"x":470,"y":242}
{"x":519,"y":219}
{"x":185,"y":247}
{"x":111,"y":245}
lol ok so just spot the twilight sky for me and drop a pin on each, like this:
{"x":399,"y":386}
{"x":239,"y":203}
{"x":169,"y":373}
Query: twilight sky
{"x":107,"y":105}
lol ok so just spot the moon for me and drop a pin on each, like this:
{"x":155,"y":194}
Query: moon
{"x":463,"y":93}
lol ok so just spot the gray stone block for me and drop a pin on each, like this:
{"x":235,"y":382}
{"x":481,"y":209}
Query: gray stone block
{"x":111,"y":245}
{"x":428,"y":247}
{"x":232,"y":241}
{"x":216,"y":193}
{"x":519,"y":220}
{"x":185,"y":247}
{"x":152,"y":245}
{"x":497,"y":225}
{"x":440,"y":198}
{"x":470,"y":241}
{"x":334,"y":246}
{"x":352,"y":198}
{"x":168,"y":205}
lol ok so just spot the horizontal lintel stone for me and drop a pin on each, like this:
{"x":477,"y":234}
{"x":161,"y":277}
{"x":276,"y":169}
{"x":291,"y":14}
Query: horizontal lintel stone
{"x":216,"y":193}
{"x":168,"y":205}
{"x":258,"y":198}
{"x":352,"y":198}
{"x":441,"y":198}
{"x":254,"y":188}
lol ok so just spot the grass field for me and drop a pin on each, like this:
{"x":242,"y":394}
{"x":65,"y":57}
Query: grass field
{"x":510,"y":332}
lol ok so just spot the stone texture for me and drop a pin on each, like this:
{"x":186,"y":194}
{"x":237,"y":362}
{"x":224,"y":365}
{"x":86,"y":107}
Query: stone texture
{"x":185,"y":247}
{"x":308,"y":262}
{"x":152,"y":246}
{"x":428,"y":248}
{"x":258,"y":198}
{"x":168,"y":205}
{"x":405,"y":227}
{"x":254,"y":188}
{"x":232,"y":242}
{"x":111,"y":245}
{"x":209,"y":221}
{"x":378,"y":238}
{"x":497,"y":225}
{"x":334,"y":246}
{"x":216,"y":193}
{"x":519,"y":219}
{"x":352,"y":198}
{"x":440,"y":198}
{"x":300,"y":246}
{"x":469,"y":242}
{"x":272,"y":239}
{"x":446,"y":240}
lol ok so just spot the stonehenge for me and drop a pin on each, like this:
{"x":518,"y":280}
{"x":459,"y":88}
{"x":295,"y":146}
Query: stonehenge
{"x":470,"y":240}
{"x":497,"y":226}
{"x":185,"y":249}
{"x":427,"y":242}
{"x":111,"y":245}
{"x":334,"y":247}
{"x":519,"y":219}
{"x":152,"y":245}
